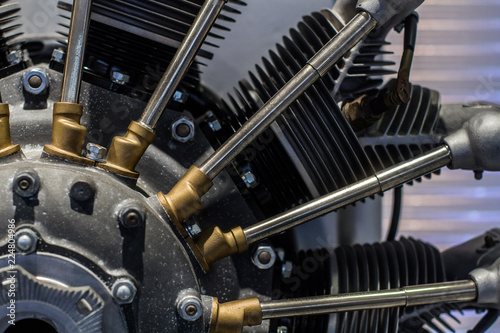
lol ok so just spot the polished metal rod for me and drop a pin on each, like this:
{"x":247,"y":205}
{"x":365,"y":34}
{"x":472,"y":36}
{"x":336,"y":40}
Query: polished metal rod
{"x":181,"y":62}
{"x":386,"y":179}
{"x":78,"y":31}
{"x":449,"y":292}
{"x":315,"y":68}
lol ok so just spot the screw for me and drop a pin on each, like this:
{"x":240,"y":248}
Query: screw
{"x":124,"y":291}
{"x":183,"y":130}
{"x":190,"y":307}
{"x":282,"y":329}
{"x":264,"y":257}
{"x":213,"y":122}
{"x":119,"y":78}
{"x":15,"y":57}
{"x":193,"y":228}
{"x":249,"y":179}
{"x":179,"y":97}
{"x":58,"y":55}
{"x":131,"y":216}
{"x":95,"y":152}
{"x":26,"y":184}
{"x":26,"y":241}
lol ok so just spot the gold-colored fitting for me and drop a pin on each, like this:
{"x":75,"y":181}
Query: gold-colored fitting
{"x":126,"y":151}
{"x":213,"y":244}
{"x":185,"y":198}
{"x":68,"y":136}
{"x":230,"y":317}
{"x":6,"y":146}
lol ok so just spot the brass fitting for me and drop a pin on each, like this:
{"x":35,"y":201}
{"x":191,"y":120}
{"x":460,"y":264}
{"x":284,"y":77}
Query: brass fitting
{"x":359,"y":113}
{"x":126,"y":151}
{"x":68,"y":136}
{"x":230,"y":317}
{"x":213,"y":244}
{"x":6,"y":146}
{"x":185,"y":198}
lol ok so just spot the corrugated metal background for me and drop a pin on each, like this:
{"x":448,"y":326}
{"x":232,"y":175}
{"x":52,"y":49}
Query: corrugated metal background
{"x":458,"y":54}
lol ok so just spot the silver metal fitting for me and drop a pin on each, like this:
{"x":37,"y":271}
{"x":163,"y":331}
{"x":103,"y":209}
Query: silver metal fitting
{"x":131,"y":216}
{"x":286,"y":269}
{"x":193,"y":228}
{"x":189,"y":305}
{"x":95,"y":152}
{"x":264,"y":257}
{"x":58,"y":55}
{"x":213,"y":122}
{"x":119,"y":78}
{"x":26,"y":241}
{"x":124,"y":291}
{"x":183,"y":129}
{"x":36,"y":81}
{"x":26,"y":184}
{"x":249,"y":179}
{"x":282,"y":329}
{"x":487,"y":281}
{"x":15,"y":57}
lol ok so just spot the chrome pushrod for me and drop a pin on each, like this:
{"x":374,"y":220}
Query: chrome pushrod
{"x":449,"y":292}
{"x":181,"y":62}
{"x":383,"y":180}
{"x":78,"y":31}
{"x":316,"y":67}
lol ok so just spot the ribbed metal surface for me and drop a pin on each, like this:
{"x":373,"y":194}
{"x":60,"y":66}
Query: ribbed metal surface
{"x":8,"y":27}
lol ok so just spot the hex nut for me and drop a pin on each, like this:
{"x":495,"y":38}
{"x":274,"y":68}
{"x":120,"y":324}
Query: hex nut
{"x":26,"y":184}
{"x":35,"y":82}
{"x":58,"y":55}
{"x":249,"y":179}
{"x":120,"y":78}
{"x":183,"y":130}
{"x":190,"y":308}
{"x":26,"y":241}
{"x":96,"y":152}
{"x":124,"y":291}
{"x":131,"y":216}
{"x":264,"y":257}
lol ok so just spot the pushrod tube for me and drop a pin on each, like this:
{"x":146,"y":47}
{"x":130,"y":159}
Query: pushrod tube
{"x":382,"y":181}
{"x":456,"y":291}
{"x":78,"y":31}
{"x":315,"y":68}
{"x":181,"y":62}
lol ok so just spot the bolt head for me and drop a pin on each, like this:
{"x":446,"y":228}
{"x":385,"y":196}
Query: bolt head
{"x":96,"y":152}
{"x":131,"y":216}
{"x":249,"y":179}
{"x":26,"y":241}
{"x":264,"y":257}
{"x":190,"y":308}
{"x":120,"y":78}
{"x":183,"y":130}
{"x":15,"y":57}
{"x":58,"y":55}
{"x":282,"y":329}
{"x":124,"y":291}
{"x":26,"y":184}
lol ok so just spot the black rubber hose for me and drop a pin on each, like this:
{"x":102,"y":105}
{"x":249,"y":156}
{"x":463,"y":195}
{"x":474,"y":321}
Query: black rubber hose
{"x":396,"y":213}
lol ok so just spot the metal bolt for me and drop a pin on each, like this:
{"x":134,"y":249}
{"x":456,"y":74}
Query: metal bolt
{"x":264,"y":257}
{"x":179,"y":97}
{"x":213,"y":122}
{"x":58,"y":55}
{"x":190,"y":308}
{"x":35,"y":81}
{"x":282,"y":329}
{"x":26,"y":241}
{"x":183,"y":130}
{"x":124,"y":291}
{"x":249,"y":179}
{"x":95,"y":152}
{"x":15,"y":57}
{"x":119,"y":78}
{"x":131,"y":216}
{"x":26,"y":184}
{"x":193,"y":228}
